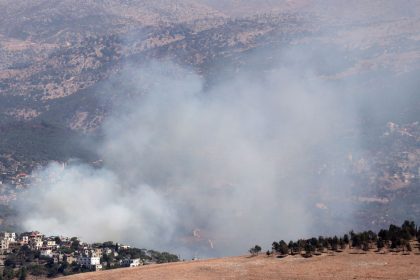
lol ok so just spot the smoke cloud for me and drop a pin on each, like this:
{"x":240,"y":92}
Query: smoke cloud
{"x":208,"y":172}
{"x":258,"y":156}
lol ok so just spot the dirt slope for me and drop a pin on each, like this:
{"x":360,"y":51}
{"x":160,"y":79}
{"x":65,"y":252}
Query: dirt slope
{"x":343,"y":266}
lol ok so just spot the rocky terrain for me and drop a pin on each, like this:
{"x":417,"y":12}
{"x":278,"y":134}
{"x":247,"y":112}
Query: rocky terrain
{"x":56,"y":56}
{"x":50,"y":52}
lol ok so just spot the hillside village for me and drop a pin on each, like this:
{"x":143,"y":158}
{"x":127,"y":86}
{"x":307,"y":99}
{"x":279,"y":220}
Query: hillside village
{"x":39,"y":255}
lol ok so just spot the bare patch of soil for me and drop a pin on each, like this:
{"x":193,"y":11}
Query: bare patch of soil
{"x":341,"y":266}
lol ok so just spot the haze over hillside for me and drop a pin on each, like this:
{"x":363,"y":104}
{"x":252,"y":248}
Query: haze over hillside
{"x":208,"y":119}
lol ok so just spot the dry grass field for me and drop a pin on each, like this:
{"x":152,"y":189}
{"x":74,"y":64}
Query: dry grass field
{"x":339,"y":266}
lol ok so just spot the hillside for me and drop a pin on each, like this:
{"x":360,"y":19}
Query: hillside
{"x":67,"y":66}
{"x":341,"y":266}
{"x":55,"y":54}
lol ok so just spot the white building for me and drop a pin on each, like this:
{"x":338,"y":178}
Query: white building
{"x":51,"y":244}
{"x":10,"y":236}
{"x":90,"y":262}
{"x":24,"y":239}
{"x":131,"y":262}
{"x":46,"y":252}
{"x":4,"y":244}
{"x":36,"y":243}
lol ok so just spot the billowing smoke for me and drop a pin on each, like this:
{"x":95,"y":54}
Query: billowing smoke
{"x":212,"y":168}
{"x":206,"y":172}
{"x":91,"y":203}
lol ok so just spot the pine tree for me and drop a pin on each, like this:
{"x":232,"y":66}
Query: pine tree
{"x":380,"y":244}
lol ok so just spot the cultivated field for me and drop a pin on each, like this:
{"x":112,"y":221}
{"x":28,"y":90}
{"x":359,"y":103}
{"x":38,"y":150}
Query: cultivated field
{"x":340,"y":266}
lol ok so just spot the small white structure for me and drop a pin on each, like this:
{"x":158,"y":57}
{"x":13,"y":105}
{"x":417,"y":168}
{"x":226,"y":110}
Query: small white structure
{"x":4,"y":244}
{"x":90,"y":262}
{"x":6,"y":238}
{"x":97,"y":267}
{"x":10,"y":236}
{"x":46,"y":252}
{"x":36,"y":243}
{"x":131,"y":262}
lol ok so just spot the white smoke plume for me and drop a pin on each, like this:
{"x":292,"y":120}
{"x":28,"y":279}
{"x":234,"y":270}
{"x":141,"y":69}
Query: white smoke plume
{"x":241,"y":163}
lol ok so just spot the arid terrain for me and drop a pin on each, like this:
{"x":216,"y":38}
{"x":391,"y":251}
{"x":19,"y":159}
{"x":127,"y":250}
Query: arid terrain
{"x":340,"y":266}
{"x":201,"y":127}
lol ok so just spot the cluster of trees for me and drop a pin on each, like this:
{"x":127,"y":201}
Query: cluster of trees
{"x":393,"y":238}
{"x":9,"y":273}
{"x":134,"y":253}
{"x":398,"y":237}
{"x":23,"y":261}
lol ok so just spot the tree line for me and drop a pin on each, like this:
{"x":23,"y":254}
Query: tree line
{"x":395,"y":238}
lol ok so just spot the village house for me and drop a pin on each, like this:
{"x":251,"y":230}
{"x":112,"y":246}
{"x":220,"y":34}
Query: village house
{"x":36,"y":243}
{"x":7,"y":240}
{"x":35,"y":239}
{"x":51,"y":244}
{"x":91,"y":262}
{"x":86,"y":255}
{"x":58,"y":258}
{"x":24,"y":240}
{"x":9,"y":236}
{"x":4,"y":245}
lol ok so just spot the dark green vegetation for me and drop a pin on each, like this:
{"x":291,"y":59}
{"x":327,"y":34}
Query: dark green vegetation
{"x":255,"y":250}
{"x":394,"y":239}
{"x":41,"y":142}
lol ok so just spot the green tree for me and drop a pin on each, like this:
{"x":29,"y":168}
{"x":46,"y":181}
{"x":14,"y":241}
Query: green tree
{"x":384,"y":234}
{"x":8,"y":273}
{"x":365,"y":246}
{"x":75,"y":245}
{"x":410,"y":227}
{"x":346,"y":239}
{"x":283,"y":248}
{"x":255,"y":250}
{"x":22,"y":273}
{"x":275,"y":246}
{"x":57,"y":240}
{"x":309,"y":249}
{"x":380,"y":244}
